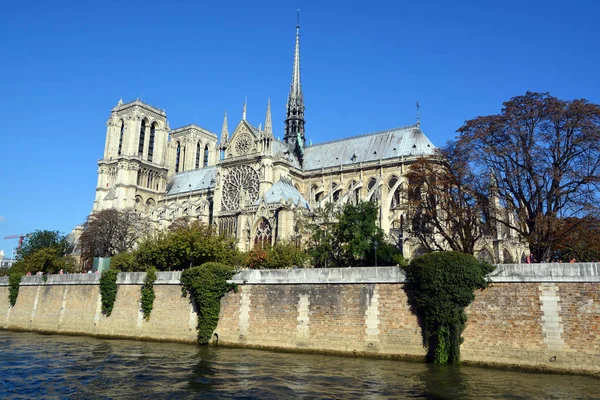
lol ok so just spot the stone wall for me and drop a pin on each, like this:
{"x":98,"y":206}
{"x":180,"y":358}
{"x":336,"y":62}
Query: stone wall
{"x":71,"y":304}
{"x":544,"y":317}
{"x":532,"y":316}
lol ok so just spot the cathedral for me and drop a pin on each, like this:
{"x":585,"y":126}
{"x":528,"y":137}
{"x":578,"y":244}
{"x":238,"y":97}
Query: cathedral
{"x":248,"y":183}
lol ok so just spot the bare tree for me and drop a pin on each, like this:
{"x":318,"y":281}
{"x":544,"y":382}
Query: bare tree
{"x":446,"y":201}
{"x":545,"y":156}
{"x":111,"y":231}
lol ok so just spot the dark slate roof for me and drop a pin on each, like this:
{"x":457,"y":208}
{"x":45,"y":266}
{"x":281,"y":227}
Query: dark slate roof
{"x":393,"y":143}
{"x":283,"y":189}
{"x":197,"y":179}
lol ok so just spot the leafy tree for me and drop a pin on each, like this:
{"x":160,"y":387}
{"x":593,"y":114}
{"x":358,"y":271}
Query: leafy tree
{"x":185,"y":247}
{"x":49,"y":260}
{"x":348,"y":238}
{"x":322,"y":244}
{"x":544,"y":154}
{"x":447,"y":205}
{"x":357,"y":233}
{"x":111,"y":231}
{"x":439,"y":286}
{"x":41,"y":239}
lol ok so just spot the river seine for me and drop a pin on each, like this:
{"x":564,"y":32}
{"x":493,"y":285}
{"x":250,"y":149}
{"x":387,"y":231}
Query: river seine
{"x":67,"y":367}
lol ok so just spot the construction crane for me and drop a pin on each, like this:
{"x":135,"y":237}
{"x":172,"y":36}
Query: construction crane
{"x":21,"y":236}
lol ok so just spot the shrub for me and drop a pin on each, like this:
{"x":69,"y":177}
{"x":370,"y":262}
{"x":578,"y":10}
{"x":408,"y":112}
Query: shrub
{"x":440,"y":285}
{"x":257,"y":258}
{"x":13,"y":284}
{"x":148,"y":292}
{"x":207,"y":284}
{"x":285,"y":255}
{"x":126,"y":262}
{"x":108,"y":290}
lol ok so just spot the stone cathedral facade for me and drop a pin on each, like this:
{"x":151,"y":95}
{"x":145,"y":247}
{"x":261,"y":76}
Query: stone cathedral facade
{"x":247,"y":183}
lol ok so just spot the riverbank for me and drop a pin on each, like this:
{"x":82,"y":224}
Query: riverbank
{"x":543,"y":317}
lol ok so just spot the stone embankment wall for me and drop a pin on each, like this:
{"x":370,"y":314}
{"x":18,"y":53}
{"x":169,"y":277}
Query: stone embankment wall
{"x":71,"y":304}
{"x":536,"y":316}
{"x":532,"y":316}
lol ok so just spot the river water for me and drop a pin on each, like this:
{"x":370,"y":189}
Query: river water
{"x":54,"y":366}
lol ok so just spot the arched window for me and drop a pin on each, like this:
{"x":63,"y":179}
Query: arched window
{"x":396,"y":196}
{"x":337,"y":194}
{"x":121,"y":136}
{"x":198,"y":155}
{"x":177,"y":154}
{"x":142,"y":135}
{"x":151,"y":143}
{"x":205,"y":162}
{"x":264,"y":234}
{"x":371,"y":184}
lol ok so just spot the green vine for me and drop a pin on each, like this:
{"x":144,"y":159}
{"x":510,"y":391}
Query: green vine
{"x":13,"y":284}
{"x":439,"y":287}
{"x":148,"y":292}
{"x":207,"y":284}
{"x":108,"y":290}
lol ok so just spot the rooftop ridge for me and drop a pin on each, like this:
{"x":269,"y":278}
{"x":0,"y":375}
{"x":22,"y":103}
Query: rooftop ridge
{"x":181,"y":128}
{"x":140,"y":102}
{"x":401,"y":128}
{"x":193,"y":170}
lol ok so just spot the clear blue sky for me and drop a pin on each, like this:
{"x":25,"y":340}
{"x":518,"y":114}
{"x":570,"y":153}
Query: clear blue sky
{"x":64,"y":65}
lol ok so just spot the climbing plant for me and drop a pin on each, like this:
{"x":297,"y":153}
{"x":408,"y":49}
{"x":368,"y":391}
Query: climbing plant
{"x":108,"y":290}
{"x":148,"y":292}
{"x":439,"y":286}
{"x":13,"y":284}
{"x":207,"y":284}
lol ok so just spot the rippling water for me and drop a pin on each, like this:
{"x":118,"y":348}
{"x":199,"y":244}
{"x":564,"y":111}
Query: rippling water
{"x":53,"y":366}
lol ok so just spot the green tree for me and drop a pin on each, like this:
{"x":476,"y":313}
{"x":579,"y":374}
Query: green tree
{"x":42,"y":239}
{"x":348,"y":238}
{"x":322,"y":244}
{"x":357,"y":234}
{"x":184,"y":247}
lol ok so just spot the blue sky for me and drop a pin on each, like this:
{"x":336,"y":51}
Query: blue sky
{"x":64,"y":65}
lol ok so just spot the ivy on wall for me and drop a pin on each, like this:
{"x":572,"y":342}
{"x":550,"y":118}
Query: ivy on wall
{"x":108,"y":290}
{"x":439,"y":286}
{"x":148,"y":292}
{"x":14,"y":281}
{"x":207,"y":284}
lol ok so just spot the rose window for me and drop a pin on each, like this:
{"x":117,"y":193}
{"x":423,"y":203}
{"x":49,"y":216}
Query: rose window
{"x":241,"y":183}
{"x":242,"y":144}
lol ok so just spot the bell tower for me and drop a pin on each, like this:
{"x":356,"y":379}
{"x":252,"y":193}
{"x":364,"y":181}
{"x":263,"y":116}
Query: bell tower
{"x":132,"y":172}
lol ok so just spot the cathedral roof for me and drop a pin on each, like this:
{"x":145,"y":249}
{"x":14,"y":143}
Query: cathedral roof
{"x":283,"y":189}
{"x":393,"y":143}
{"x":198,"y":179}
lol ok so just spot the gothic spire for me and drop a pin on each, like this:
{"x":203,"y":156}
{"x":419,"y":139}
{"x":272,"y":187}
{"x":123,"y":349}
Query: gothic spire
{"x":296,"y":87}
{"x":268,"y":123}
{"x":244,"y":111}
{"x":418,"y":114}
{"x":294,"y":119}
{"x":224,"y":130}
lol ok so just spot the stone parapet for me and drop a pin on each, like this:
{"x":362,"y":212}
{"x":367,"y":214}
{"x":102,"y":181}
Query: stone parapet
{"x":124,"y":278}
{"x":504,"y":273}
